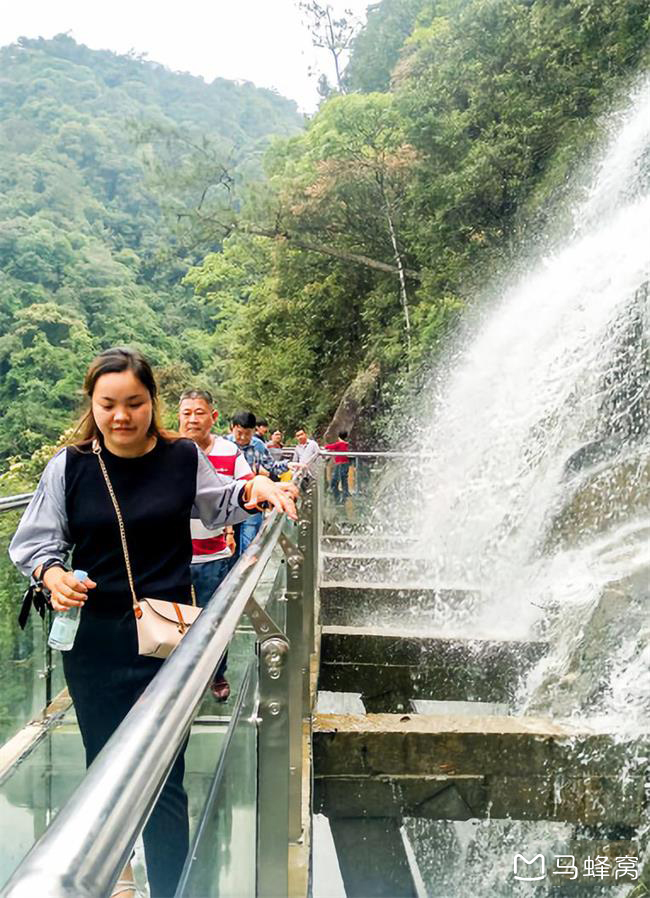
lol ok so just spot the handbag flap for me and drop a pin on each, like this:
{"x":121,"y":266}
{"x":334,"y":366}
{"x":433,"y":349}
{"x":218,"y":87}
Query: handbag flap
{"x":167,"y":610}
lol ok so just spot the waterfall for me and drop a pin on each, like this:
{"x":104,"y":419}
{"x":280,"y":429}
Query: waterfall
{"x":539,"y":490}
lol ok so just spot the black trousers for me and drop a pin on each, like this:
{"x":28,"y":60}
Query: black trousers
{"x":105,"y":676}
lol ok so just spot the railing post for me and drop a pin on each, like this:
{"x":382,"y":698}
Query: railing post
{"x":273,"y":770}
{"x":317,"y":533}
{"x":306,"y":543}
{"x":296,"y":573}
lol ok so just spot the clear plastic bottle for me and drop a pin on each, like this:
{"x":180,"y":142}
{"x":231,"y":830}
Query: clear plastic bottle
{"x":66,"y":623}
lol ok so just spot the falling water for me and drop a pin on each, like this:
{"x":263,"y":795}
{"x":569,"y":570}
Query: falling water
{"x":538,"y":497}
{"x":539,"y":489}
{"x":539,"y":486}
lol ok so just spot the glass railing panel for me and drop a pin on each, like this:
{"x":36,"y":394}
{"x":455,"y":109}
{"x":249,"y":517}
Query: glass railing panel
{"x":222,"y":856}
{"x":241,"y":648}
{"x":367,"y":480}
{"x":22,"y":652}
{"x":270,"y":592}
{"x":34,"y":791}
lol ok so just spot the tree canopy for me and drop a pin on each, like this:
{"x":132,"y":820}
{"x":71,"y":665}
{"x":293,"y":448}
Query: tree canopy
{"x":460,"y":123}
{"x":89,"y":256}
{"x":147,"y":207}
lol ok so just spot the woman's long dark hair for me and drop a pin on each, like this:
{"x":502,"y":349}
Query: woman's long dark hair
{"x":116,"y":359}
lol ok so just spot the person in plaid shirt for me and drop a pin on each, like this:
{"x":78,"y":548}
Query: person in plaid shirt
{"x":261,"y":462}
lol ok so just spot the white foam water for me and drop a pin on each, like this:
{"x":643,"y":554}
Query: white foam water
{"x":532,"y":390}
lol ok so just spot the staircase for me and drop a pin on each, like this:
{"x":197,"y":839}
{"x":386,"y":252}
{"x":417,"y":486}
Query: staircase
{"x":438,"y":740}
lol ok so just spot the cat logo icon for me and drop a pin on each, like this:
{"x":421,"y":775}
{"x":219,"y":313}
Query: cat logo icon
{"x":529,"y":876}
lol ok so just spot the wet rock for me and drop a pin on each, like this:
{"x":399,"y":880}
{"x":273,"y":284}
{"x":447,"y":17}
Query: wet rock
{"x":618,"y":623}
{"x":614,"y":493}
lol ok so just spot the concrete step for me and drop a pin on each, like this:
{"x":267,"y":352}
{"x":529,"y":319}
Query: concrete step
{"x":457,"y":768}
{"x":341,"y":526}
{"x":387,"y":568}
{"x":366,"y":545}
{"x":390,"y":668}
{"x":355,"y":604}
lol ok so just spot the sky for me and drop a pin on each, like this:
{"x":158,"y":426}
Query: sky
{"x":263,"y":41}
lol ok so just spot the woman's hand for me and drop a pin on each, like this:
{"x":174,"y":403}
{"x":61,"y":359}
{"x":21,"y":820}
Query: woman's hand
{"x":67,"y":592}
{"x":279,"y":495}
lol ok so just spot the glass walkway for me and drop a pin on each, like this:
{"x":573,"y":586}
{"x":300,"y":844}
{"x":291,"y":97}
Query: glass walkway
{"x":374,"y":745}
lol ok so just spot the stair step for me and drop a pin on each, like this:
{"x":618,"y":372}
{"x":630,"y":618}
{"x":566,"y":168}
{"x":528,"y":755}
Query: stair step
{"x":372,"y":858}
{"x":355,"y":604}
{"x":385,"y":568}
{"x":457,"y":768}
{"x":390,"y":667}
{"x":366,"y":545}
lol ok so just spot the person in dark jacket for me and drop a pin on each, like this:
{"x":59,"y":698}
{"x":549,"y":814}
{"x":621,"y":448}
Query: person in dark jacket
{"x":158,"y":480}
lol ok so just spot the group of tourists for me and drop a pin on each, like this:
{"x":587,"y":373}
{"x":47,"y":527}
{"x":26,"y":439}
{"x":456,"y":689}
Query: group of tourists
{"x":147,"y":512}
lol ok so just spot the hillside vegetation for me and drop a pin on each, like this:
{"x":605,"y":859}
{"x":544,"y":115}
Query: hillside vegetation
{"x":88,"y":257}
{"x":461,"y":125}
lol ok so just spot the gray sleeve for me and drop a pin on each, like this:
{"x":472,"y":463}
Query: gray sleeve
{"x":311,"y":451}
{"x":43,"y":530}
{"x":217,"y":497}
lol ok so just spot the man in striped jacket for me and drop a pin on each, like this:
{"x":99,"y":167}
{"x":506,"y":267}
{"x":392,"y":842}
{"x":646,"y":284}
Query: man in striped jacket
{"x":211,"y":549}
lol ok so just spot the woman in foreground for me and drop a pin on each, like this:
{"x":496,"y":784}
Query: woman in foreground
{"x":71,"y":524}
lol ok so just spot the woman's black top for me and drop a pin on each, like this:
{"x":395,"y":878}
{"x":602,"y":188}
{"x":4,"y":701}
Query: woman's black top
{"x":71,"y":518}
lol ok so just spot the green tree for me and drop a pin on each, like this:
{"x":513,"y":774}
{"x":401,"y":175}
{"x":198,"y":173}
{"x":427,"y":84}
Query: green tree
{"x":42,"y":361}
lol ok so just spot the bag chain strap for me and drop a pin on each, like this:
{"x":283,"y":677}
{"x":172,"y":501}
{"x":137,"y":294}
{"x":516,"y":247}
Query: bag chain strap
{"x":97,"y":449}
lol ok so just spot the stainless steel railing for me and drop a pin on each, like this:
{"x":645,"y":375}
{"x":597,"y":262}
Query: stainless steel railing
{"x":84,"y":850}
{"x":324,"y":453}
{"x":10,"y":503}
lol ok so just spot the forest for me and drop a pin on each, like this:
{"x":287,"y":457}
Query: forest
{"x":91,"y":252}
{"x":273,"y":259}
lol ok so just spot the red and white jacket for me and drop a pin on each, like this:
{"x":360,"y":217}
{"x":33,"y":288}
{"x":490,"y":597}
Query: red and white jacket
{"x":229,"y":461}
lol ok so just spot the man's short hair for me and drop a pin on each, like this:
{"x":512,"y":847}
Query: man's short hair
{"x":262,"y":422}
{"x":343,"y":434}
{"x":243,"y":419}
{"x":205,"y":395}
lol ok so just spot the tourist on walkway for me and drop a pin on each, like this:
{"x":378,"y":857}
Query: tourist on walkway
{"x":306,"y":449}
{"x":262,"y":429}
{"x":71,"y":522}
{"x":261,"y":462}
{"x":212,"y":549}
{"x":339,"y":483}
{"x":275,"y":446}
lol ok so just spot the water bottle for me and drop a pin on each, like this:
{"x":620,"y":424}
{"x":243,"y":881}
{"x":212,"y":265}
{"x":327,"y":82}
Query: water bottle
{"x":66,"y":623}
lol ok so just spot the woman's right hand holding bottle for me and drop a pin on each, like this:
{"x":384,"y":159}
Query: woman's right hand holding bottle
{"x":66,"y":591}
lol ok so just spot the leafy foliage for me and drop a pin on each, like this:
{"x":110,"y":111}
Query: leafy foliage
{"x":87,"y":256}
{"x":463,"y":119}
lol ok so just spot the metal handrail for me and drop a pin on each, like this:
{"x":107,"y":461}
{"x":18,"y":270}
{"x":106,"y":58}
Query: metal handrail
{"x":9,"y":503}
{"x":83,"y":851}
{"x":22,"y":500}
{"x":324,"y":453}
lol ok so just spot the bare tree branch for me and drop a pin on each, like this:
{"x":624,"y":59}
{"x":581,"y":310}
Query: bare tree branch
{"x":311,"y":246}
